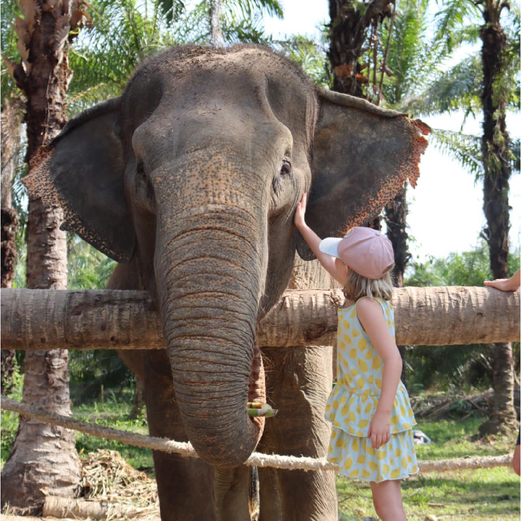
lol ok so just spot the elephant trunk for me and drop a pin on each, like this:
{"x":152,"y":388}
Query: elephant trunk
{"x":210,"y":283}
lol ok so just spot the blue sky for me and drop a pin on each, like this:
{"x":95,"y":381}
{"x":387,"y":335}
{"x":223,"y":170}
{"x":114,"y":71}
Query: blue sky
{"x":446,"y":208}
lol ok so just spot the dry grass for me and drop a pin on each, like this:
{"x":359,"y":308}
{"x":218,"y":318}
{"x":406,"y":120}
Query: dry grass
{"x":106,"y":476}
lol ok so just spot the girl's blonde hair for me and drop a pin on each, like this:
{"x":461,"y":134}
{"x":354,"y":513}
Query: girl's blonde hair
{"x":357,"y":286}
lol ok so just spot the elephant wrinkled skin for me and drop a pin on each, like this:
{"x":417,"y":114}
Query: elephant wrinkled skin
{"x":190,"y":180}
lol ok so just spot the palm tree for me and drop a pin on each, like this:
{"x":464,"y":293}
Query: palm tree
{"x":11,"y":129}
{"x":487,"y":83}
{"x":43,"y":457}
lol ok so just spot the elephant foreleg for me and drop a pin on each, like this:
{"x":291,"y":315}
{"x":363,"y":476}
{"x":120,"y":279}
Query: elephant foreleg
{"x":299,"y":380}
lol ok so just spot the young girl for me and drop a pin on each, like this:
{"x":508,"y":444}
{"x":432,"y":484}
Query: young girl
{"x":369,"y":407}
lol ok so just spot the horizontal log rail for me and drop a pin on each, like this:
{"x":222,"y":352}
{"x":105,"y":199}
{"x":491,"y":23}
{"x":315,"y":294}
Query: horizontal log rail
{"x":114,"y":319}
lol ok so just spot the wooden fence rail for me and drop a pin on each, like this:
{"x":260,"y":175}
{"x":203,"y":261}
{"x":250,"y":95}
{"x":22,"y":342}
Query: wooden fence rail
{"x":110,"y":319}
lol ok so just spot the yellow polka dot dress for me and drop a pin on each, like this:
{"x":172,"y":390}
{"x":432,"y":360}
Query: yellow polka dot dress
{"x":353,"y":402}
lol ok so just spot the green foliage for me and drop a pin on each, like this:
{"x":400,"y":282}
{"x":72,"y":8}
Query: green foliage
{"x":122,"y":34}
{"x":95,"y":372}
{"x":241,"y":21}
{"x":92,"y":371}
{"x":459,"y":87}
{"x":459,"y":269}
{"x":446,"y":367}
{"x":453,"y":27}
{"x":309,"y":54}
{"x":10,"y":9}
{"x":250,"y":8}
{"x":408,"y":53}
{"x":413,"y":53}
{"x":241,"y":30}
{"x":112,"y":412}
{"x":10,"y":419}
{"x":88,"y":268}
{"x":171,"y":9}
{"x":515,"y":148}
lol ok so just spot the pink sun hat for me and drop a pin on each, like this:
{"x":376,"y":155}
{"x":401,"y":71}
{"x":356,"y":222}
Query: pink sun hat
{"x":364,"y":250}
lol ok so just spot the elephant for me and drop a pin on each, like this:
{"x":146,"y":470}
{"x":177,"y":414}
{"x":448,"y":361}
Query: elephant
{"x":190,"y":180}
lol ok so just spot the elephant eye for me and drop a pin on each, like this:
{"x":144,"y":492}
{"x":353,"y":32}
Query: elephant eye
{"x":140,"y":173}
{"x":144,"y":188}
{"x":285,"y":171}
{"x":286,"y":167}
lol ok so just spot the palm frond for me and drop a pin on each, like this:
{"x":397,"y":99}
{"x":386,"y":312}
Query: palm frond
{"x":457,"y":88}
{"x":413,"y":54}
{"x":236,"y":30}
{"x":123,"y":33}
{"x":171,"y":9}
{"x":249,"y":8}
{"x":309,"y":54}
{"x":453,"y":15}
{"x":465,"y":148}
{"x":509,"y":79}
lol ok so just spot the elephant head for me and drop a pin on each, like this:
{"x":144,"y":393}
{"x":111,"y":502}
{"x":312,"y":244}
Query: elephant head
{"x":194,"y":174}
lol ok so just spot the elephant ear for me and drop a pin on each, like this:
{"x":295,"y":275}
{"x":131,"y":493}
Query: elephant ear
{"x":82,"y":172}
{"x":362,"y":155}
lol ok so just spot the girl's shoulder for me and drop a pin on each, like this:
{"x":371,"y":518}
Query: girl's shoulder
{"x":372,"y":302}
{"x":370,"y":309}
{"x":362,"y":301}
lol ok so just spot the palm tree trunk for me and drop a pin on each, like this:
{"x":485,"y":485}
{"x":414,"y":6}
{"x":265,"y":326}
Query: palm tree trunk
{"x":43,"y":458}
{"x":11,"y":129}
{"x":350,"y":22}
{"x":216,"y":29}
{"x":496,"y":162}
{"x":396,"y":220}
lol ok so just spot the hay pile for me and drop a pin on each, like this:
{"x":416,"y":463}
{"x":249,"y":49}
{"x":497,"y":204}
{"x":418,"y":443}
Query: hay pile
{"x":106,"y":476}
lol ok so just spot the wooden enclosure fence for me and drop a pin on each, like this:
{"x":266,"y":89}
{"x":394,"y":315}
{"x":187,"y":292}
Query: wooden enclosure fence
{"x":111,"y":319}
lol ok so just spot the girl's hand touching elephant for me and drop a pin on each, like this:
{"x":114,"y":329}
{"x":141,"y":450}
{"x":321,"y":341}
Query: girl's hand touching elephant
{"x":300,"y":212}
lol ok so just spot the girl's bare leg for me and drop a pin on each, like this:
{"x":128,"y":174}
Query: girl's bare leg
{"x":387,"y":500}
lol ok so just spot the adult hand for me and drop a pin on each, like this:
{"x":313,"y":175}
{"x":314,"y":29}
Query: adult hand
{"x":510,"y":284}
{"x":300,"y":212}
{"x":379,"y":430}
